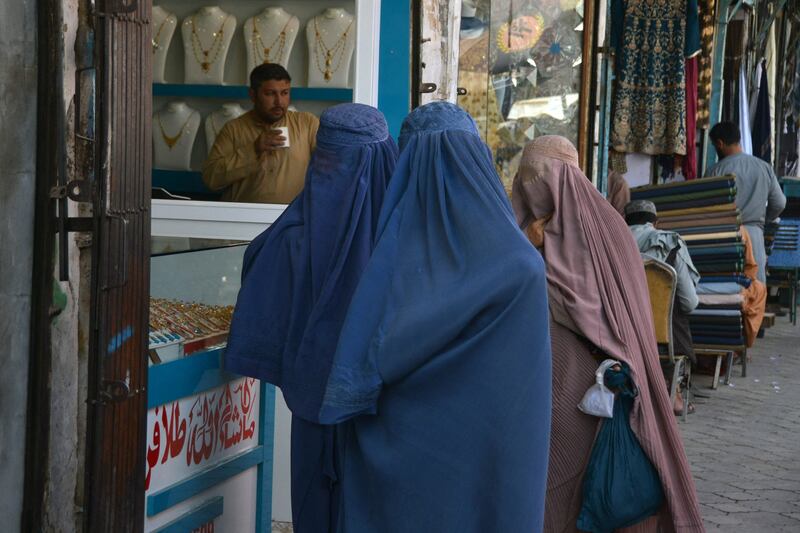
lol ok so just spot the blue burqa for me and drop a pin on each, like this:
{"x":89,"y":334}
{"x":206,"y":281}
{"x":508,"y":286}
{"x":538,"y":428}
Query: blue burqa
{"x":441,"y":380}
{"x":297,"y":280}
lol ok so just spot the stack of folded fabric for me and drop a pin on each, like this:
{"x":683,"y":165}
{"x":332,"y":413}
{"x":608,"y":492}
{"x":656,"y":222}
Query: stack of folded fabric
{"x":703,"y":212}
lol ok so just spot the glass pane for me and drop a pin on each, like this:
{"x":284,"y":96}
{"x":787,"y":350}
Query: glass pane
{"x":520,"y":63}
{"x":193,"y":288}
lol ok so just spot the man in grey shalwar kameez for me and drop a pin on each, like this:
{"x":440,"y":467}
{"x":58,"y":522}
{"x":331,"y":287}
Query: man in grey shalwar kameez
{"x":758,"y":194}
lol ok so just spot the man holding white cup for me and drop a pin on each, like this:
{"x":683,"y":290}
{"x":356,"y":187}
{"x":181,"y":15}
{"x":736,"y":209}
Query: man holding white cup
{"x":262,"y":156}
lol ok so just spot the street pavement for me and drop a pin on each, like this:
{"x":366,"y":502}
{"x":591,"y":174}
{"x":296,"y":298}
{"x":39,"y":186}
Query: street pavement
{"x":743,"y":443}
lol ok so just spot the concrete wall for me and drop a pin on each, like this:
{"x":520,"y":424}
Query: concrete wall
{"x":17,"y":178}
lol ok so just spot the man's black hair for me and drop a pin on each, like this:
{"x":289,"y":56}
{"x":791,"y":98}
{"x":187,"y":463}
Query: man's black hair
{"x":635,"y":219}
{"x":266,"y":72}
{"x":727,"y":132}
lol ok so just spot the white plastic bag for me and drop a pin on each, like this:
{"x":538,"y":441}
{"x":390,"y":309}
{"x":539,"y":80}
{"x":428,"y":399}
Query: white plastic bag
{"x":598,"y":400}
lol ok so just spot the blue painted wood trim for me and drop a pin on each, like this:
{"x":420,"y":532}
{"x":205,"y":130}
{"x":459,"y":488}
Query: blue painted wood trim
{"x":191,"y":375}
{"x":195,"y":518}
{"x":202,"y":481}
{"x":715,"y":105}
{"x":606,"y":81}
{"x":394,"y":74}
{"x":178,"y":181}
{"x":240,"y":92}
{"x":266,"y":432}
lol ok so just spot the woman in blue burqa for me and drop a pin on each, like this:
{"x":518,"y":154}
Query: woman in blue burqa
{"x":297,"y":280}
{"x":441,"y":380}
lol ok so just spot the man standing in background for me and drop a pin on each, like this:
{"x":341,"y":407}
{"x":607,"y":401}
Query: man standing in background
{"x":251,"y":160}
{"x":758,"y":194}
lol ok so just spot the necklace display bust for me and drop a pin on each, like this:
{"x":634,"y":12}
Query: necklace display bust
{"x":174,"y":130}
{"x":216,"y":120}
{"x":207,"y":36}
{"x":269,"y":37}
{"x":331,"y":41}
{"x":164,"y":24}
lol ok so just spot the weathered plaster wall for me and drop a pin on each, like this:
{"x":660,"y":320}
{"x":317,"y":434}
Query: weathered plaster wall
{"x":17,"y":179}
{"x":64,"y":491}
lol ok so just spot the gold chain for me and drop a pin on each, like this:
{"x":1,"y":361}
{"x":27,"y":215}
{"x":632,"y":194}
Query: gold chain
{"x":258,"y":43}
{"x":172,"y":140}
{"x":205,"y":59}
{"x":333,"y":55}
{"x":157,"y":38}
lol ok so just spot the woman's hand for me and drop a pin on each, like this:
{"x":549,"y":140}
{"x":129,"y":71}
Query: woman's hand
{"x":535,"y":231}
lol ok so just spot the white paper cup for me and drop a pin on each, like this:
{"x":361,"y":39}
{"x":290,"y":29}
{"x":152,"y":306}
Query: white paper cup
{"x":284,"y":133}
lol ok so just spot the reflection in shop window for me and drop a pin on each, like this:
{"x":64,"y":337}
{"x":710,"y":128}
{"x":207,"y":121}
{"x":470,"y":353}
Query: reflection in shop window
{"x":520,"y":63}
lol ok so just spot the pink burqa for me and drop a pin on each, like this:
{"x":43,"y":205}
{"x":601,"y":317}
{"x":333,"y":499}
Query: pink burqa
{"x":597,"y":290}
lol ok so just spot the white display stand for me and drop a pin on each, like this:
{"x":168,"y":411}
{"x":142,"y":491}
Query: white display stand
{"x":174,"y":130}
{"x":207,"y":35}
{"x":164,"y":24}
{"x":216,"y":120}
{"x":269,"y":37}
{"x":331,"y":39}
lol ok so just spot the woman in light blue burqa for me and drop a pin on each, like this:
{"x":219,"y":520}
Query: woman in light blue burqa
{"x":297,"y":281}
{"x":441,"y":379}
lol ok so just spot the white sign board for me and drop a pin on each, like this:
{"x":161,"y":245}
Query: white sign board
{"x":193,"y":434}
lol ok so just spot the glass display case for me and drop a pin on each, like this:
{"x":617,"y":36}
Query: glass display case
{"x":193,"y":288}
{"x":197,"y":250}
{"x":520,"y":73}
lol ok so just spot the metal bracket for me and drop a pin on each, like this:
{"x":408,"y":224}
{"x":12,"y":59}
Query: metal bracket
{"x":75,"y":190}
{"x":115,"y":391}
{"x":427,"y":88}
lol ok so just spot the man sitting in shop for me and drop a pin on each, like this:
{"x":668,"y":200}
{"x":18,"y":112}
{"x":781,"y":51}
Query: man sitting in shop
{"x":251,"y":160}
{"x":669,"y":247}
{"x":758,"y":194}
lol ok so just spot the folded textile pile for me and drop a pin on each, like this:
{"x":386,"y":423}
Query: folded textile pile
{"x":786,"y":248}
{"x":704,"y":214}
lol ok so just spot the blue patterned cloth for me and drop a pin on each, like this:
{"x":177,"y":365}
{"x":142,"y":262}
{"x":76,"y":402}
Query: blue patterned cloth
{"x":297,"y":281}
{"x":442,"y":376}
{"x":652,"y":41}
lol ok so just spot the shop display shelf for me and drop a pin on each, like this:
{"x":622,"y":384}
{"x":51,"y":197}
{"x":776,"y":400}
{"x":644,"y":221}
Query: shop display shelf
{"x":240,"y":92}
{"x":180,"y":181}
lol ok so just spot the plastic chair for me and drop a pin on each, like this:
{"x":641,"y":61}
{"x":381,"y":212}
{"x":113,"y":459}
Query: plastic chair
{"x":661,"y":283}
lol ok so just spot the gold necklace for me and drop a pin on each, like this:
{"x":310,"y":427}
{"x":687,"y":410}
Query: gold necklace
{"x":157,"y":38}
{"x":172,"y":140}
{"x":258,"y":43}
{"x":205,"y":59}
{"x":333,"y":55}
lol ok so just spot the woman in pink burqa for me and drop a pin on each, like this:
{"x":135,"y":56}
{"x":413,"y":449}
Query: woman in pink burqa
{"x":599,"y":307}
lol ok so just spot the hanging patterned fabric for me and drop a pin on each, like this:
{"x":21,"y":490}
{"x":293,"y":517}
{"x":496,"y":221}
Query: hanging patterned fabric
{"x":706,"y":10}
{"x":652,"y":40}
{"x":762,"y":124}
{"x":689,"y":164}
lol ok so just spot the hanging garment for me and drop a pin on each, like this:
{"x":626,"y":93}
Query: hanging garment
{"x":297,"y":280}
{"x":706,"y":10}
{"x":744,"y":114}
{"x":689,"y":164}
{"x":762,"y":123}
{"x":652,"y":40}
{"x":596,"y":295}
{"x":442,"y":372}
